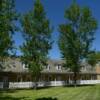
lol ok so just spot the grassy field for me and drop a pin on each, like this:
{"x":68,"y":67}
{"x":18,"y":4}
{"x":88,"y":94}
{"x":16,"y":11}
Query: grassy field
{"x":54,"y":93}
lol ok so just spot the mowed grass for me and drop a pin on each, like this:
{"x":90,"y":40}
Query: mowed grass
{"x":54,"y":93}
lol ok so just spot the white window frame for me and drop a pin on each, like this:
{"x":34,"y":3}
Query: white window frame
{"x":24,"y":66}
{"x":48,"y":67}
{"x":58,"y":67}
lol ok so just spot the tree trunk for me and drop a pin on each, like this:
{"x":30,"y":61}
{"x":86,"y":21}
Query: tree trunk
{"x":35,"y":83}
{"x":75,"y":79}
{"x":35,"y":86}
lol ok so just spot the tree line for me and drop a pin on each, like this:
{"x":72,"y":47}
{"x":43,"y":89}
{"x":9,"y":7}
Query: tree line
{"x":75,"y":40}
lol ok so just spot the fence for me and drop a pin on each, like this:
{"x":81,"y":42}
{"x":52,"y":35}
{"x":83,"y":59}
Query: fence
{"x":13,"y":85}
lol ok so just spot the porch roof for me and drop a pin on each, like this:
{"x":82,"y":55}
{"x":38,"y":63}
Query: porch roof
{"x":65,"y":72}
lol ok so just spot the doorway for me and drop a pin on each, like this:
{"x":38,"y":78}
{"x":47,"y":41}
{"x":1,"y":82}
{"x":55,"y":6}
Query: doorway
{"x":5,"y":82}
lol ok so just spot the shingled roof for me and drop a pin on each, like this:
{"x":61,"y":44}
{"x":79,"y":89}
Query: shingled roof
{"x":15,"y":65}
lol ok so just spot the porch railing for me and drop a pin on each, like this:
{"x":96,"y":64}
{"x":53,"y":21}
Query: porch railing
{"x":43,"y":84}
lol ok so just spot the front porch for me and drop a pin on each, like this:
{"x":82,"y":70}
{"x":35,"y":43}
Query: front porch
{"x":24,"y":80}
{"x":15,"y":85}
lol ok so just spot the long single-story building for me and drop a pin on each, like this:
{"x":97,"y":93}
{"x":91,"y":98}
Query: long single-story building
{"x":16,"y":75}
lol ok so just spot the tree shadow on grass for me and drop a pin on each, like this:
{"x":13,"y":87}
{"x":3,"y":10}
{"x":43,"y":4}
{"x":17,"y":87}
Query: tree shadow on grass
{"x":12,"y":98}
{"x":48,"y":98}
{"x":8,"y":91}
{"x":8,"y":97}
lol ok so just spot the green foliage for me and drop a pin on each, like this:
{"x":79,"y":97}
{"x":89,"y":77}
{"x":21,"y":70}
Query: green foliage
{"x":37,"y":34}
{"x":77,"y":35}
{"x":94,"y":58}
{"x":8,"y":16}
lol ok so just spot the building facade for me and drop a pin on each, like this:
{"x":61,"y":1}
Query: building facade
{"x":16,"y":75}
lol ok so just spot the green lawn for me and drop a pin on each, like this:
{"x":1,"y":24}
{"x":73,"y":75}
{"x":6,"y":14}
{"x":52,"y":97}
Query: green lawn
{"x":54,"y":93}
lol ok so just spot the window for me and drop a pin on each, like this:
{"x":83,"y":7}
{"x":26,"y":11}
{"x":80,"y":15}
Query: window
{"x":48,"y":67}
{"x":58,"y":67}
{"x":24,"y":66}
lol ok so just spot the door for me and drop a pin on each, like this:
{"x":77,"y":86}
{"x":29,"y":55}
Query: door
{"x":5,"y":82}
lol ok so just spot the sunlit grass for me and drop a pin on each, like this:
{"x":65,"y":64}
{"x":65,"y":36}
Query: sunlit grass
{"x":54,"y":93}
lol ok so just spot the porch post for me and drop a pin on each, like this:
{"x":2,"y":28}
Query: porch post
{"x":21,"y":78}
{"x":69,"y":78}
{"x":91,"y":77}
{"x":55,"y":80}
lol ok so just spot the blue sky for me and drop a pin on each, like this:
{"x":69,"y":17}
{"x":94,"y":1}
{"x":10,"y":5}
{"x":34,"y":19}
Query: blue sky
{"x":55,"y":12}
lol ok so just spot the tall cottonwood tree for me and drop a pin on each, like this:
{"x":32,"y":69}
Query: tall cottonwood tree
{"x":37,"y":35}
{"x":76,"y":37}
{"x":8,"y":16}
